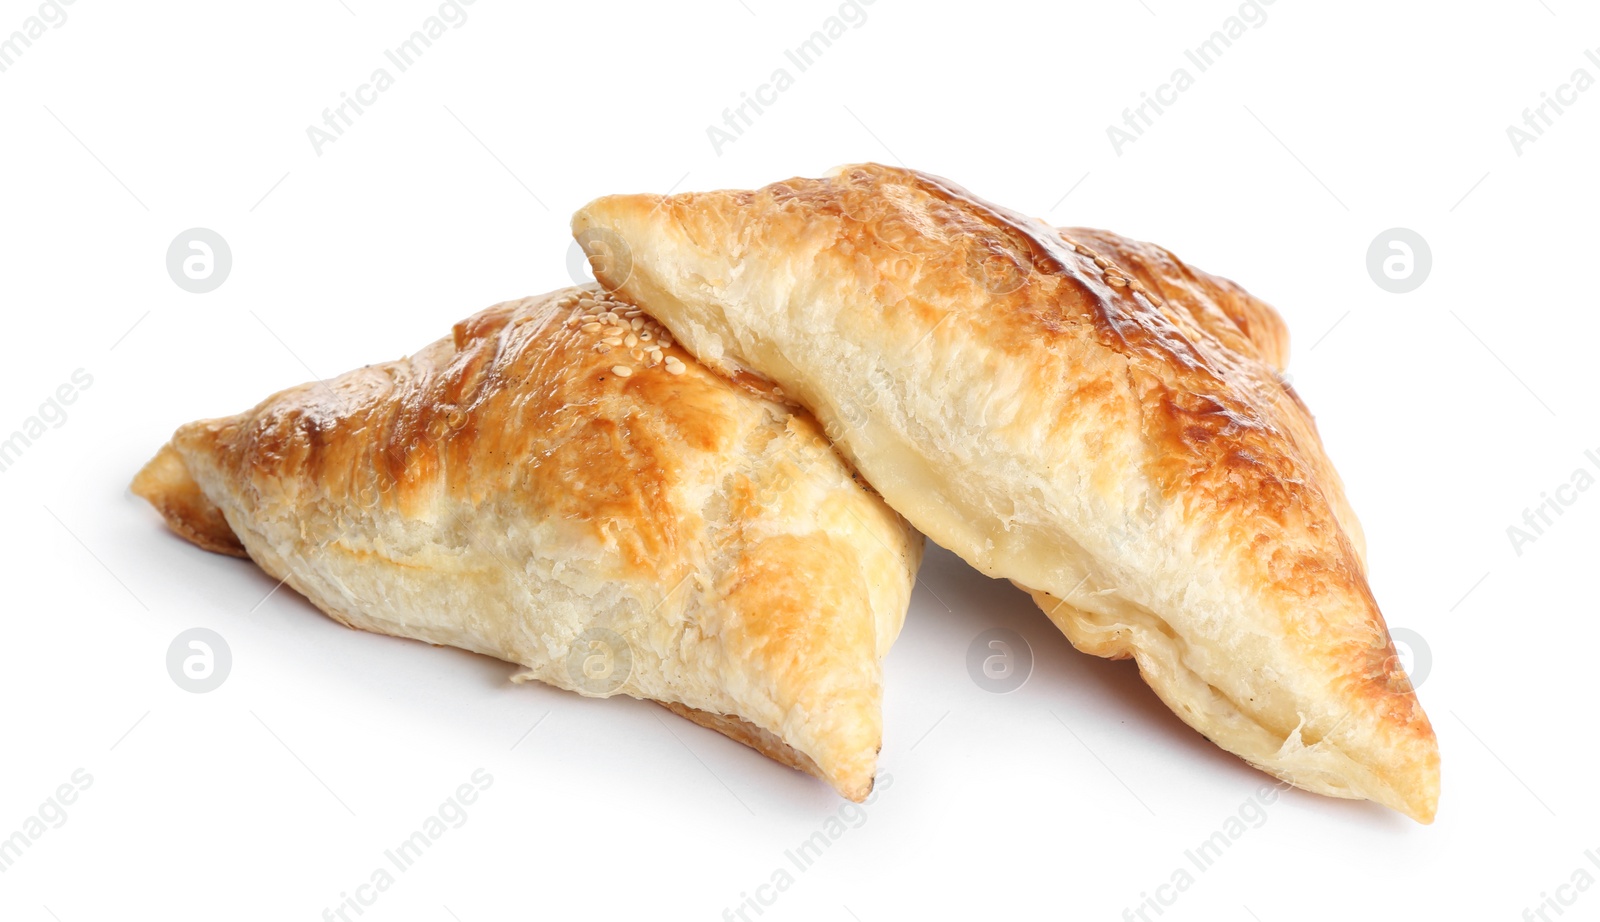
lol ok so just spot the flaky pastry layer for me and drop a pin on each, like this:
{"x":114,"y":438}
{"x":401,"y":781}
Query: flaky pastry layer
{"x":1079,"y":413}
{"x":559,"y":485}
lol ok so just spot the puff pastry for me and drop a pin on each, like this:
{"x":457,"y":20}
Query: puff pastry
{"x":1086,"y":417}
{"x":558,"y":485}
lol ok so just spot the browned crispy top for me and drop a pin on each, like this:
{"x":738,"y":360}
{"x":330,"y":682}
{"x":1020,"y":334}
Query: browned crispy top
{"x":519,"y":402}
{"x":1227,"y":436}
{"x":1222,"y":425}
{"x":1238,"y":319}
{"x":1107,"y":329}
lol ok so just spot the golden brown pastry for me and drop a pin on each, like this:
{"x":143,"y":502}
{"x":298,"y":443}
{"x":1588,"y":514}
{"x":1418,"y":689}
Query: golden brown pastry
{"x":1056,"y":419}
{"x":1238,"y":320}
{"x":557,"y":484}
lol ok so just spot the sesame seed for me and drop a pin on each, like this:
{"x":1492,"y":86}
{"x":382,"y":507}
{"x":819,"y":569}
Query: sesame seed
{"x":645,"y":336}
{"x":601,"y":348}
{"x":676,"y":369}
{"x":1116,"y":281}
{"x":621,"y":371}
{"x":638,"y":355}
{"x":631,"y":341}
{"x":591,"y":327}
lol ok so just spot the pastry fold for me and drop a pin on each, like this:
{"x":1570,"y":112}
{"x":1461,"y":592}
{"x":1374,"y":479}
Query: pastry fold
{"x":1088,"y":418}
{"x":558,"y":485}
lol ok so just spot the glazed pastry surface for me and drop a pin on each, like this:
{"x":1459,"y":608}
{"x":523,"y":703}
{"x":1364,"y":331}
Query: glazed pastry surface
{"x":1076,"y":412}
{"x":558,"y":485}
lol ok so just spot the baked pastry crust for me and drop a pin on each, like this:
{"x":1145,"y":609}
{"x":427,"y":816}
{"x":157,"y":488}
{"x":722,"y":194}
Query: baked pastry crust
{"x":527,"y":490}
{"x":1238,"y":320}
{"x":1092,"y":420}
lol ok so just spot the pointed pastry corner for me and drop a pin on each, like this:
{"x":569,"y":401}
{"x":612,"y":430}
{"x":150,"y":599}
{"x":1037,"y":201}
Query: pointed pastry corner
{"x":165,"y":483}
{"x":601,"y":214}
{"x":602,"y":227}
{"x":1422,"y":803}
{"x":857,"y":791}
{"x":853,"y":778}
{"x":1385,"y":751}
{"x":1410,"y":787}
{"x":1417,"y":790}
{"x":1405,"y":751}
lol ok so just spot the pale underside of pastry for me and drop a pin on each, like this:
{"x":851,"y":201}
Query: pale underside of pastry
{"x":560,"y":486}
{"x":1090,"y":419}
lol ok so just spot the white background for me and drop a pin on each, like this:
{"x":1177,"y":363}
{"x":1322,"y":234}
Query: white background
{"x":1449,"y":410}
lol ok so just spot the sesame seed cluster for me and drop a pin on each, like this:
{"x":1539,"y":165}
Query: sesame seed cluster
{"x":1113,"y":275}
{"x":621,"y":327}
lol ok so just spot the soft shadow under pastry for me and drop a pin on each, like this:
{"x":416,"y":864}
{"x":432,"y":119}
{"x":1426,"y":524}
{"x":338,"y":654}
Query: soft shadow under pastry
{"x":558,"y":485}
{"x":1084,"y":417}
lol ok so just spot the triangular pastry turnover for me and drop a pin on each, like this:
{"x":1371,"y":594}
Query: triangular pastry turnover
{"x":560,"y":486}
{"x":1084,"y":417}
